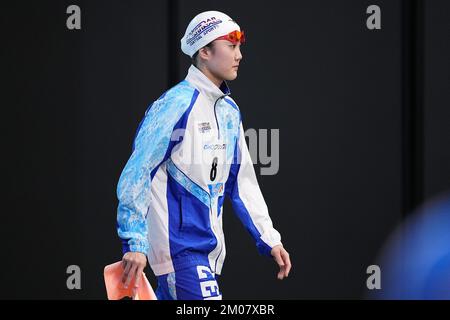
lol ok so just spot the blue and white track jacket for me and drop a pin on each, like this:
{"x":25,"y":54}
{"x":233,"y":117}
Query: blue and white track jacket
{"x":188,"y":153}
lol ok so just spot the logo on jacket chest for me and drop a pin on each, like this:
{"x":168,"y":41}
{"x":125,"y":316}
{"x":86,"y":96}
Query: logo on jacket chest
{"x":204,"y":127}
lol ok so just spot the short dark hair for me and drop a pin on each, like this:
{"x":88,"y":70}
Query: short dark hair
{"x":194,"y":57}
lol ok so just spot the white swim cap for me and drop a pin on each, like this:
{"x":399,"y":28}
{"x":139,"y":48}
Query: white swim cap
{"x":205,"y":28}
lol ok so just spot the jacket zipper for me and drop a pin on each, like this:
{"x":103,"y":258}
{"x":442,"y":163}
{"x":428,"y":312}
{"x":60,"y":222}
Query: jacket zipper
{"x":220,"y":252}
{"x":215,"y":115}
{"x":211,"y":209}
{"x":212,"y":212}
{"x":219,"y":239}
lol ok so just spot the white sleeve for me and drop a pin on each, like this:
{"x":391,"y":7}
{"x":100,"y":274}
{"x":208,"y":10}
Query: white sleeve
{"x":247,"y":199}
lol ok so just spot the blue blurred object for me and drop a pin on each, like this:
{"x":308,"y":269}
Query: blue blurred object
{"x":415,"y":262}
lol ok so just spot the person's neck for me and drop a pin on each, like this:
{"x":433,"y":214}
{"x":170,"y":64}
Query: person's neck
{"x":218,"y":82}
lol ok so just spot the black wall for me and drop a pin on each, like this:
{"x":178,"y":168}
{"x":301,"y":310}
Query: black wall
{"x":360,"y":142}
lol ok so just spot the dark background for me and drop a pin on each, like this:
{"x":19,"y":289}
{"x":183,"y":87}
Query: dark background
{"x":363,"y":117}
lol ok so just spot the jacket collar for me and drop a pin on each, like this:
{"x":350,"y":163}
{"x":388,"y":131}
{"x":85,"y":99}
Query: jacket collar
{"x":199,"y":80}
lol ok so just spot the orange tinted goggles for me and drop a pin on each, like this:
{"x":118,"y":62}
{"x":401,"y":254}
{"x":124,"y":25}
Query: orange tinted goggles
{"x":234,"y":37}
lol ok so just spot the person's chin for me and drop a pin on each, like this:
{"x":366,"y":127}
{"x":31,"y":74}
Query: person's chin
{"x":233,"y":75}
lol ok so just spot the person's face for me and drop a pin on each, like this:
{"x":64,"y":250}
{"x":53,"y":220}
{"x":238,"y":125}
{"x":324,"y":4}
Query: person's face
{"x":224,"y":59}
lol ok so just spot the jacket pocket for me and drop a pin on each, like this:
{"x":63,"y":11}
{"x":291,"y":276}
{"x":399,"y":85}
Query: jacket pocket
{"x":182,"y":215}
{"x":185,"y":215}
{"x":194,"y":218}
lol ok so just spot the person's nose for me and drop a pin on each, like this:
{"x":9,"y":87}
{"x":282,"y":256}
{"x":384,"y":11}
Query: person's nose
{"x":238,"y":53}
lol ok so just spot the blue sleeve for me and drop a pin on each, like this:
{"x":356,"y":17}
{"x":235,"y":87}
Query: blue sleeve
{"x":152,"y":146}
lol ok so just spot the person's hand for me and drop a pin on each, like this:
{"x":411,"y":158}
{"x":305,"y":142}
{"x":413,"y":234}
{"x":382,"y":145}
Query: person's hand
{"x":281,"y":256}
{"x":133,"y":264}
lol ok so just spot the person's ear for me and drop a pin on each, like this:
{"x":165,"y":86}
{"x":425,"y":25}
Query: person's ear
{"x":204,"y":53}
